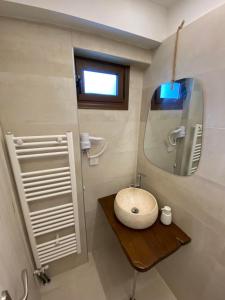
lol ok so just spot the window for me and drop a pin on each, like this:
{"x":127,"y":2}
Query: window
{"x":101,"y":85}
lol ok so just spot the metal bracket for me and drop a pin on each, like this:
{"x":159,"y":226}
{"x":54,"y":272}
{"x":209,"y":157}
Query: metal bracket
{"x":5,"y":296}
{"x":133,"y":292}
{"x":41,"y":273}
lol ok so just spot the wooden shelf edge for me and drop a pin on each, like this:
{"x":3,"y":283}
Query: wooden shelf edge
{"x":144,"y":248}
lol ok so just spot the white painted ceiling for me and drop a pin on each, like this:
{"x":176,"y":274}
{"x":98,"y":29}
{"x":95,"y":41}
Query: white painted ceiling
{"x":166,"y":3}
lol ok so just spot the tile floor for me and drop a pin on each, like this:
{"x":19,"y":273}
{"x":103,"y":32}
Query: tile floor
{"x":83,"y":283}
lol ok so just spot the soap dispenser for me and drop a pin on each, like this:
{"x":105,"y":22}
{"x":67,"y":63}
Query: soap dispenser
{"x":166,"y":215}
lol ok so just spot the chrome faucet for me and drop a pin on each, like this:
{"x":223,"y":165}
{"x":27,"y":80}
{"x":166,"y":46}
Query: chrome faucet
{"x":138,"y":181}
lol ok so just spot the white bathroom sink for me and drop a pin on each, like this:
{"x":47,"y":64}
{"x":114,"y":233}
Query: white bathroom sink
{"x":136,"y":208}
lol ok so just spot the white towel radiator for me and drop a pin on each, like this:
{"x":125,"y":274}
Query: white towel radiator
{"x":47,"y":184}
{"x":196,"y":149}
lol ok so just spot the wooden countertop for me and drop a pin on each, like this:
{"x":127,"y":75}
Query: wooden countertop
{"x":144,"y":248}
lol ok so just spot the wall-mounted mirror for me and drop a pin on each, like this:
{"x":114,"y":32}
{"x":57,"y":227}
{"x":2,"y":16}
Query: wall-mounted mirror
{"x":173,"y":135}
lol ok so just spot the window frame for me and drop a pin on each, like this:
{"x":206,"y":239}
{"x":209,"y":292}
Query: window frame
{"x":100,"y":101}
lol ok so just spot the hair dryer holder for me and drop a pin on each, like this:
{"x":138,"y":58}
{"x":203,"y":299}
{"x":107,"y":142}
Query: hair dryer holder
{"x":86,"y":142}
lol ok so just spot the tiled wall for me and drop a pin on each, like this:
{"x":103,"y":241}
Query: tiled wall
{"x":37,"y":93}
{"x":117,"y":166}
{"x":116,"y":170}
{"x":198,"y":270}
{"x":38,"y":96}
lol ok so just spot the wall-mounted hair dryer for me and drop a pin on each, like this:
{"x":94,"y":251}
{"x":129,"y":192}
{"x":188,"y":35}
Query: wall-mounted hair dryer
{"x":175,"y":134}
{"x":86,"y":142}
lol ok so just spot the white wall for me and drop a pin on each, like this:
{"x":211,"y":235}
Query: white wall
{"x":141,"y":17}
{"x":38,"y":97}
{"x":196,"y":271}
{"x":189,"y":10}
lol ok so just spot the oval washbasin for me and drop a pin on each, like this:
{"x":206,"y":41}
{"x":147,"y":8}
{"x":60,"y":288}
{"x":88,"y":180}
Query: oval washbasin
{"x":136,"y":208}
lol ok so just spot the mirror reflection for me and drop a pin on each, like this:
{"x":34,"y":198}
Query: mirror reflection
{"x":173,"y":135}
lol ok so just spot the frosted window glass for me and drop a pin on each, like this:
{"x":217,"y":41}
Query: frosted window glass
{"x":100,"y":83}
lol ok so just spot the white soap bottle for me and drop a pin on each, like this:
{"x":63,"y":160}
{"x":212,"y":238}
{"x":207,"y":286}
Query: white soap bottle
{"x":166,"y":215}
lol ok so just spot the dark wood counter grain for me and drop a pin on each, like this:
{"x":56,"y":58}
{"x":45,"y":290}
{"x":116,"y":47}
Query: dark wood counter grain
{"x":144,"y":248}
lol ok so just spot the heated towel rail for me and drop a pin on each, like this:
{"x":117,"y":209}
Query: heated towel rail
{"x":47,"y":184}
{"x":196,"y":149}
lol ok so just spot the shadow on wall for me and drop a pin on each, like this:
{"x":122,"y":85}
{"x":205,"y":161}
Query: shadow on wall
{"x":112,"y":265}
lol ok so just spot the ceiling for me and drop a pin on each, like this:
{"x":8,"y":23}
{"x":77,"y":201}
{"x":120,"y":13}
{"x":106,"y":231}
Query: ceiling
{"x":166,"y":3}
